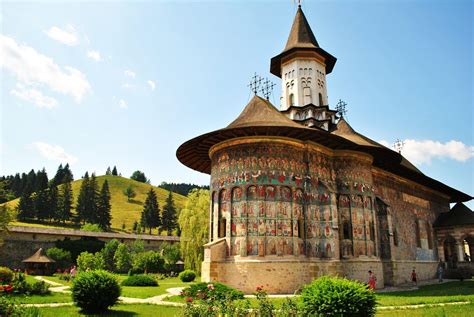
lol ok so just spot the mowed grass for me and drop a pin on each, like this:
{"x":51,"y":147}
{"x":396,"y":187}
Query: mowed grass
{"x":122,"y":310}
{"x":43,"y":299}
{"x":123,"y":211}
{"x":439,"y":311}
{"x":430,"y":294}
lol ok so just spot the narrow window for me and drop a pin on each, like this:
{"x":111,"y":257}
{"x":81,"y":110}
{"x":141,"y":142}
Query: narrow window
{"x":320,"y":100}
{"x":417,"y":233}
{"x":300,"y":228}
{"x":292,"y":100}
{"x":430,"y":237}
{"x":346,"y":230}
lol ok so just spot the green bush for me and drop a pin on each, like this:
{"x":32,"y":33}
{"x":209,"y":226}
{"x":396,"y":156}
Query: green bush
{"x":139,"y":280}
{"x":76,"y":247}
{"x":218,"y":291}
{"x":187,"y":276}
{"x":333,"y":296}
{"x":92,"y":227}
{"x":62,"y":257}
{"x":148,"y":262}
{"x":87,"y":261}
{"x":123,"y":258}
{"x":20,"y":286}
{"x":95,"y":291}
{"x":39,"y":288}
{"x":108,"y":253}
{"x":6,"y":275}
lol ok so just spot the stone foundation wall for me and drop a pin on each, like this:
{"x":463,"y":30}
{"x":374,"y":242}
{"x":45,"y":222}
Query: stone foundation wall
{"x":277,"y":276}
{"x":358,"y":270}
{"x":424,"y":270}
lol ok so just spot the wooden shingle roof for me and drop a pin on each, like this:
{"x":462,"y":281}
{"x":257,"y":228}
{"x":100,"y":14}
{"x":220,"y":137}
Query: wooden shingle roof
{"x":459,"y":215}
{"x":39,"y":257}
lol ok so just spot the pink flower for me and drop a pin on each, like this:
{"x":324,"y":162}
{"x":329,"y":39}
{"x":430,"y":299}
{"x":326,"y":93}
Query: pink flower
{"x":189,"y":300}
{"x":210,"y":287}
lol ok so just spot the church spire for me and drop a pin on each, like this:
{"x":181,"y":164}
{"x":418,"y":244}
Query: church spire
{"x":301,"y":34}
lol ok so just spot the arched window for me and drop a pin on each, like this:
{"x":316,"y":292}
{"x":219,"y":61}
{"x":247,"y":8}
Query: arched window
{"x":307,"y":95}
{"x":372,"y":231}
{"x":429,"y":236}
{"x":346,"y":229}
{"x":292,"y":99}
{"x":417,"y":233}
{"x":300,"y":228}
{"x":221,"y":230}
{"x":320,"y":100}
{"x":395,"y":237}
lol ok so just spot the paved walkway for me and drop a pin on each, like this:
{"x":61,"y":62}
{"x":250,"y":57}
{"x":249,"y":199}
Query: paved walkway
{"x":58,"y":287}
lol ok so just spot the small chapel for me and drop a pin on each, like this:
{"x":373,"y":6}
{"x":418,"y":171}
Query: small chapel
{"x":297,"y":193}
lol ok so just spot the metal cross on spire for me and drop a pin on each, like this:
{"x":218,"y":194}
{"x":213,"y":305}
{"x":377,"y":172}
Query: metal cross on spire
{"x":341,"y":107}
{"x":267,"y":88}
{"x":398,"y":145}
{"x":255,"y":83}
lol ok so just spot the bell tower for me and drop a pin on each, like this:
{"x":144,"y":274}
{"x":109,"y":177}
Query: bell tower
{"x":302,"y":67}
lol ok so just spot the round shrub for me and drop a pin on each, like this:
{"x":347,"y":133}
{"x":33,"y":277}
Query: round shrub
{"x":6,"y":275}
{"x":187,"y":276}
{"x":333,"y":296}
{"x":95,"y":291}
{"x":139,"y":280}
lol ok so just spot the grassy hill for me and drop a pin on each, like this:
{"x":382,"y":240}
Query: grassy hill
{"x":123,"y":211}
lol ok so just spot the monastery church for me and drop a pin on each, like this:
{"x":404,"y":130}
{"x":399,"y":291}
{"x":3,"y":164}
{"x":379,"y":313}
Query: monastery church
{"x":297,"y":193}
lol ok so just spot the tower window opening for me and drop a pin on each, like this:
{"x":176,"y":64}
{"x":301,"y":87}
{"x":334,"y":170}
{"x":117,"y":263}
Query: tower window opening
{"x":320,"y":100}
{"x":300,"y":228}
{"x":222,"y":225}
{"x":292,"y":99}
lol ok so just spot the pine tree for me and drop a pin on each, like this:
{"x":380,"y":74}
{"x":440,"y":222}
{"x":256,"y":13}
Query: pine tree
{"x":150,"y":217}
{"x":114,"y":171}
{"x":58,"y":178}
{"x":103,"y":207}
{"x":169,"y":215}
{"x":41,"y":204}
{"x":30,"y":183}
{"x":81,"y":208}
{"x":67,"y":174}
{"x":16,"y":185}
{"x":108,"y":172}
{"x":65,"y":202}
{"x":93,"y":199}
{"x":25,"y":207}
{"x":41,"y":182}
{"x":53,"y":212}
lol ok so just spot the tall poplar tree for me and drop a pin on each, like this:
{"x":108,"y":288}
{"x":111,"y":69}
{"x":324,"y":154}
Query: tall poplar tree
{"x":169,"y":215}
{"x":104,"y":207}
{"x":151,"y":212}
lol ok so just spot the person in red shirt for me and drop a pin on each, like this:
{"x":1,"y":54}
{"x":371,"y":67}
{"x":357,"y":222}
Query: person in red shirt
{"x":372,"y":280}
{"x":413,"y":277}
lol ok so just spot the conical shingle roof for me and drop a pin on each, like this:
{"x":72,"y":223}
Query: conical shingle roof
{"x":39,"y":257}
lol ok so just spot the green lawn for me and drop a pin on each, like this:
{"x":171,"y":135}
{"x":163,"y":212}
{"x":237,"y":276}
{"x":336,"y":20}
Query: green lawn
{"x":56,"y":280}
{"x":445,"y":311}
{"x":123,"y":310}
{"x":430,"y":294}
{"x":43,"y":299}
{"x":150,"y":291}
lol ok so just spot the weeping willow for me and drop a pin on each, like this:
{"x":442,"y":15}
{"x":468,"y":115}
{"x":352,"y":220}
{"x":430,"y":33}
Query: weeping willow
{"x":194,"y":223}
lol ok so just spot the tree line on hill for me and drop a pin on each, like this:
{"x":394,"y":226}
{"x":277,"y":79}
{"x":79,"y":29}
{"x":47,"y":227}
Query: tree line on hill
{"x":181,"y":188}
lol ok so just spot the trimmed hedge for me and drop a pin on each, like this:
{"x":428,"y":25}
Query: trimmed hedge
{"x":6,"y":275}
{"x":139,"y":280}
{"x":333,"y":296}
{"x":187,"y":276}
{"x":95,"y":291}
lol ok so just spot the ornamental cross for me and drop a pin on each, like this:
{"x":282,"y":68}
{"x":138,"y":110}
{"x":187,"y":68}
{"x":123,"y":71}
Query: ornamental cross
{"x":267,"y":88}
{"x":341,"y":107}
{"x":398,"y":145}
{"x":255,"y":83}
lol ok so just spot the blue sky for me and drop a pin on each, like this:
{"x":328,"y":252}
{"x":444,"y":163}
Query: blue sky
{"x":125,"y":83}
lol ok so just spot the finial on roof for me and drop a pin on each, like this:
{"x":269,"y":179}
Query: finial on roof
{"x":341,"y":108}
{"x":255,"y":83}
{"x":398,"y":145}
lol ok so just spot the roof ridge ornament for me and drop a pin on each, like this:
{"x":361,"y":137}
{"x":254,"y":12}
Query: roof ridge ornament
{"x":341,"y":108}
{"x":398,"y":145}
{"x":263,"y":85}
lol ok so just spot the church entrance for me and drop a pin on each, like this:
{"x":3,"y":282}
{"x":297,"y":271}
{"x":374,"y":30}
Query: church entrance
{"x":450,"y":253}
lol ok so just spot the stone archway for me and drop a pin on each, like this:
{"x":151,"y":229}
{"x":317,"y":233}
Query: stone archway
{"x":468,"y":248}
{"x":450,"y":252}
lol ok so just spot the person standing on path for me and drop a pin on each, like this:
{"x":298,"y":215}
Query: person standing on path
{"x":413,"y":277}
{"x":440,"y":271}
{"x":372,"y":280}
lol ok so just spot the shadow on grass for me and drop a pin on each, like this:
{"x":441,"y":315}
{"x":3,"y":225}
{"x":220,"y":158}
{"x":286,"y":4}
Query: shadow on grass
{"x":111,"y":312}
{"x":136,"y":202}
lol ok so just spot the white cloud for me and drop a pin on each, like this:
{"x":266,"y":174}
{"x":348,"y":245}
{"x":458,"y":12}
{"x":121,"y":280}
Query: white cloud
{"x":66,"y":36}
{"x":54,"y":153}
{"x":127,"y":86}
{"x":152,"y":84}
{"x":130,"y":73}
{"x":95,"y":55}
{"x":31,"y":67}
{"x":34,"y":96}
{"x":424,"y":151}
{"x":123,"y":104}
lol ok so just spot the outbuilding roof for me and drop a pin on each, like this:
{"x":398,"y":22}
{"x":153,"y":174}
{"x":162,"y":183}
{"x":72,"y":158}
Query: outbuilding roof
{"x":39,"y":257}
{"x":459,"y":215}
